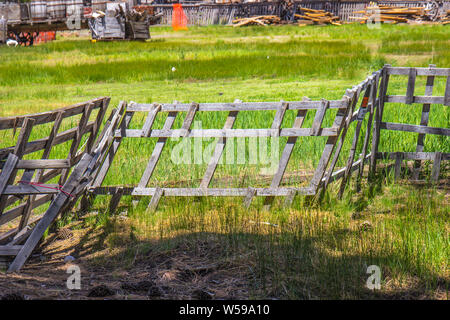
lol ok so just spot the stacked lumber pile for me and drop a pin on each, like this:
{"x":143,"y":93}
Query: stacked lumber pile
{"x":258,"y":20}
{"x":390,"y":14}
{"x":312,"y":16}
{"x":306,"y":16}
{"x":446,"y":18}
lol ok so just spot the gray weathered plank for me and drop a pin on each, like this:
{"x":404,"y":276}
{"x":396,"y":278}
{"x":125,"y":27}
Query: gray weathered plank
{"x":115,"y":199}
{"x":228,"y":133}
{"x":154,"y":202}
{"x":241,"y":106}
{"x":420,"y":71}
{"x":290,"y":198}
{"x":416,"y":99}
{"x":436,"y":166}
{"x":410,"y":86}
{"x":19,"y":151}
{"x":96,"y":127}
{"x":40,"y":164}
{"x":10,"y":250}
{"x":220,"y":146}
{"x":412,"y":155}
{"x":398,"y":166}
{"x":49,"y":116}
{"x":199,"y":192}
{"x":285,"y":156}
{"x":329,"y":146}
{"x":157,"y":150}
{"x":423,"y":122}
{"x":447,"y":93}
{"x":8,"y":169}
{"x":378,"y":118}
{"x":373,"y":98}
{"x":279,"y":116}
{"x":24,"y":189}
{"x":251,"y":192}
{"x":351,"y":157}
{"x":187,"y":123}
{"x":80,"y":131}
{"x":414,"y":128}
{"x":318,"y":119}
{"x":150,"y":120}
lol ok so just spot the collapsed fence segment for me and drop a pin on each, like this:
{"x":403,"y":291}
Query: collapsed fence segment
{"x":20,"y":198}
{"x":82,"y":173}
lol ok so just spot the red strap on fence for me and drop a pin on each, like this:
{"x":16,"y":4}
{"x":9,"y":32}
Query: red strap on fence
{"x":48,"y":187}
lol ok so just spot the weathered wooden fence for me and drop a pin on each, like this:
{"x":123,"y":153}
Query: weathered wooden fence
{"x":345,"y":115}
{"x":91,"y":163}
{"x":19,"y":197}
{"x":207,"y":14}
{"x":422,"y":129}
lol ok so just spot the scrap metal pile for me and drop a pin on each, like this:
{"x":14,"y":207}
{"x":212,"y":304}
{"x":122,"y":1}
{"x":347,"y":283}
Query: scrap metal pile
{"x":153,"y":18}
{"x":120,"y":23}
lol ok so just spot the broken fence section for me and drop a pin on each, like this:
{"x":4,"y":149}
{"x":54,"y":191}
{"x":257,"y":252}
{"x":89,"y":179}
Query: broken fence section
{"x":24,"y":183}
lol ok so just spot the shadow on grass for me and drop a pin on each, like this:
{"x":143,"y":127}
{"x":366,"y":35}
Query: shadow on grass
{"x":297,"y":263}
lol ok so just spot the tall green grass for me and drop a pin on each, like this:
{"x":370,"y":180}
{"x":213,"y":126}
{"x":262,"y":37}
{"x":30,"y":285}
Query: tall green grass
{"x":314,"y":252}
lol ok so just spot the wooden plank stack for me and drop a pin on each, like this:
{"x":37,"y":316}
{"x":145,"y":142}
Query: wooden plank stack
{"x":306,"y":17}
{"x":391,"y":14}
{"x":312,"y":16}
{"x":445,"y":19}
{"x":258,"y":20}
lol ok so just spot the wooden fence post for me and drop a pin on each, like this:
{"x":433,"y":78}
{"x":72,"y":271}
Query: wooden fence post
{"x":378,"y":118}
{"x":423,"y":122}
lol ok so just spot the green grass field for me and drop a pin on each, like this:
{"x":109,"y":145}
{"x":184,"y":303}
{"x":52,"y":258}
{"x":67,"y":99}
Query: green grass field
{"x":309,"y":251}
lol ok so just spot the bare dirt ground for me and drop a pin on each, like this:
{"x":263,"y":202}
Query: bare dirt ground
{"x":188,"y":271}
